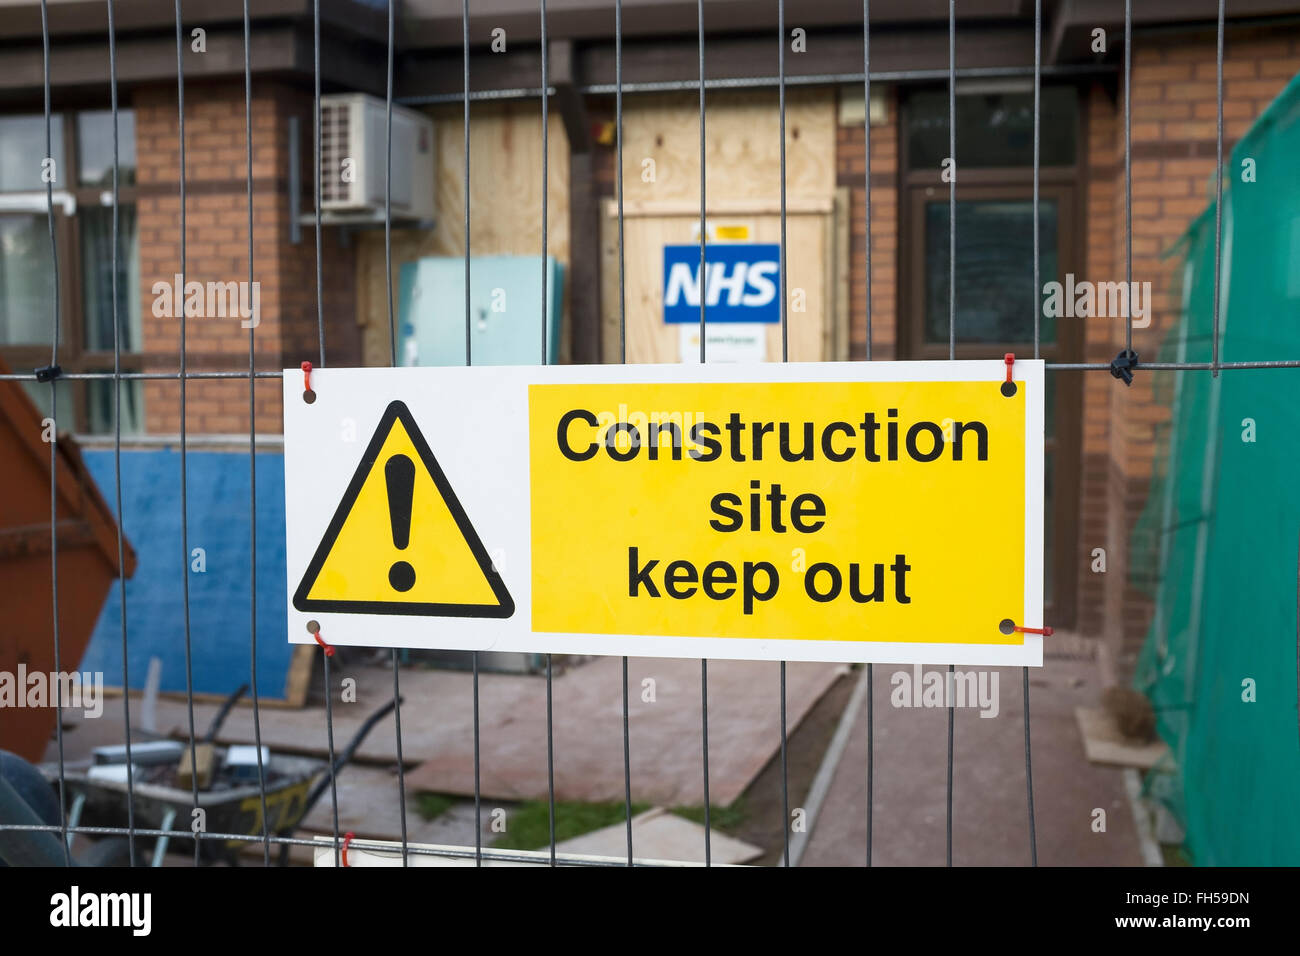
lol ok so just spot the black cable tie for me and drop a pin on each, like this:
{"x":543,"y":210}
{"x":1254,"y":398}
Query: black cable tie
{"x":1123,"y":364}
{"x":49,"y":373}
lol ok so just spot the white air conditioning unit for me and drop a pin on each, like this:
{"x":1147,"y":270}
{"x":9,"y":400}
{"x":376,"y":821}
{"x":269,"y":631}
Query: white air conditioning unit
{"x":354,"y":142}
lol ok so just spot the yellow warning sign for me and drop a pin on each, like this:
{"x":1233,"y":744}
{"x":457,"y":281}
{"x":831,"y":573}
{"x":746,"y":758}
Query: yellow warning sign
{"x":780,"y":510}
{"x":400,"y":542}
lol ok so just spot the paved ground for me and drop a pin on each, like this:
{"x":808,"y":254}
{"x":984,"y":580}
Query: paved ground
{"x":667,"y":754}
{"x":990,"y":820}
{"x":438,"y":727}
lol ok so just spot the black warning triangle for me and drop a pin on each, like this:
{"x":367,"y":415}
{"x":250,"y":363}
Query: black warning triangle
{"x":350,"y":570}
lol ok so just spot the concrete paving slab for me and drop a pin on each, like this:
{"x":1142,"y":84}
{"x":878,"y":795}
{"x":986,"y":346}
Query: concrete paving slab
{"x":438,"y":727}
{"x":990,"y":819}
{"x":664,"y":720}
{"x":369,"y":807}
{"x":662,"y":835}
{"x":1104,"y":742}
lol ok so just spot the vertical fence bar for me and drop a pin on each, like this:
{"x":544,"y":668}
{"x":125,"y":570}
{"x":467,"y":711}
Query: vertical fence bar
{"x":469,"y":360}
{"x":1128,"y":167}
{"x":185,"y":530}
{"x":392,"y":360}
{"x":622,"y":351}
{"x":866,"y":183}
{"x":316,"y":179}
{"x":252,"y":453}
{"x":54,"y":445}
{"x":117,"y":444}
{"x":866,"y":159}
{"x":785,"y":357}
{"x":320,"y":333}
{"x":952,"y":314}
{"x":1038,"y":313}
{"x":550,"y":714}
{"x":1218,"y":192}
{"x":704,"y":664}
{"x":1038,"y":84}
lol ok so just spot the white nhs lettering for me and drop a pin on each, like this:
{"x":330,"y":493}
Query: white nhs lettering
{"x":747,"y":284}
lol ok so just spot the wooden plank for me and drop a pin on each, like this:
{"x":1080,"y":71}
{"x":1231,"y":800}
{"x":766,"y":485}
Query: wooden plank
{"x":295,"y":690}
{"x":300,"y":668}
{"x":1103,"y":742}
{"x":210,"y":700}
{"x":720,"y":207}
{"x":841,"y":273}
{"x":204,"y":762}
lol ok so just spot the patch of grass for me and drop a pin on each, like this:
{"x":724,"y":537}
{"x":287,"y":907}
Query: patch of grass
{"x":528,"y":824}
{"x":720,"y":818}
{"x":1175,"y":855}
{"x":430,"y":806}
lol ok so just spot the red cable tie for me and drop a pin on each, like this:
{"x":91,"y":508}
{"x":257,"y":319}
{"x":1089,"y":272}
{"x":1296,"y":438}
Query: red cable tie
{"x":306,"y":376}
{"x":1045,"y":631}
{"x":1009,"y":358}
{"x":329,"y":650}
{"x":347,"y":838}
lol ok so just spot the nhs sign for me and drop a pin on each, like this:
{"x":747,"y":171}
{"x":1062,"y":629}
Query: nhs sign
{"x":741,"y":284}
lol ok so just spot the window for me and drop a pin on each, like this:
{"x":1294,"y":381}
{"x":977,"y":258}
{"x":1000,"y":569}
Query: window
{"x":82,"y":150}
{"x":995,"y":126}
{"x":993,"y":285}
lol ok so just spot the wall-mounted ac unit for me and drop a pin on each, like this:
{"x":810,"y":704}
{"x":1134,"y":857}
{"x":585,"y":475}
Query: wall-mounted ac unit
{"x":354,"y":142}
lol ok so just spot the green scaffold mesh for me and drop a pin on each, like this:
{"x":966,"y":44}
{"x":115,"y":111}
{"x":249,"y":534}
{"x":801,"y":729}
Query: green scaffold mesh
{"x":1216,"y":547}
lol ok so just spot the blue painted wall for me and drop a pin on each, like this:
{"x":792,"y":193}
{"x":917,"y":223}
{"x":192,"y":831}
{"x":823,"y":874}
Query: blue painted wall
{"x":218,"y":508}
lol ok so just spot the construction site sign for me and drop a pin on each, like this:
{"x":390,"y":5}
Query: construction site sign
{"x":885,"y":511}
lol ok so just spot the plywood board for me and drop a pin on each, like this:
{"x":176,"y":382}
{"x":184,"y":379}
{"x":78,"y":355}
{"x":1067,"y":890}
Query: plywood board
{"x":661,"y":206}
{"x":505,"y":204}
{"x":809,"y":254}
{"x":742,"y":146}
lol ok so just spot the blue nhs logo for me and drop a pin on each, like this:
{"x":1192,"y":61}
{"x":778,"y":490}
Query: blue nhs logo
{"x":741,"y":286}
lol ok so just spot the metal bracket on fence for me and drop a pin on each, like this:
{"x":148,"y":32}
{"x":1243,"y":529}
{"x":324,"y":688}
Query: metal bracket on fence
{"x":1008,"y":626}
{"x":308,"y":395}
{"x":48,"y":373}
{"x":1009,"y":386}
{"x":1123,"y":365}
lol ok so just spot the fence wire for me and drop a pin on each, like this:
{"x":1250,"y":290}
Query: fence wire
{"x":184,"y":375}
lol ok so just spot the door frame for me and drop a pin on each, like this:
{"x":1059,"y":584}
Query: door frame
{"x":1065,"y":445}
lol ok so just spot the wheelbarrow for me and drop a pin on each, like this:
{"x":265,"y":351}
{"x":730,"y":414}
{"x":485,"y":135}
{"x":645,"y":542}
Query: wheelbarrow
{"x":293,"y":785}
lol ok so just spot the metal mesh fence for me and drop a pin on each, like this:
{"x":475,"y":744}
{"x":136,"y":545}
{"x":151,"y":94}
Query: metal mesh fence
{"x":479,"y":853}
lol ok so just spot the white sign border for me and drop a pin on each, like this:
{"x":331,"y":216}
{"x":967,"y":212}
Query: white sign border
{"x":301,"y":470}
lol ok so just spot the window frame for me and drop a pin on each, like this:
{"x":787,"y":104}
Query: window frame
{"x":73,"y":353}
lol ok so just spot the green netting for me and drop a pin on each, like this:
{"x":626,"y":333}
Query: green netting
{"x":1216,"y":546}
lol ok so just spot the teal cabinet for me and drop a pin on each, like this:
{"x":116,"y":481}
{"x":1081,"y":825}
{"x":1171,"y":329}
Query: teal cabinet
{"x":506,"y":314}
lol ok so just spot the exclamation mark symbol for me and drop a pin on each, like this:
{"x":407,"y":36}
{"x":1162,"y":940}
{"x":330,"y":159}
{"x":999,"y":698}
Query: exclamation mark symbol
{"x":399,"y":474}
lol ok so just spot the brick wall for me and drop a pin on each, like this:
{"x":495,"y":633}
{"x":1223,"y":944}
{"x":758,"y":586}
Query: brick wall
{"x":850,"y":167}
{"x":217,"y":251}
{"x":1173,"y":139}
{"x":1173,"y":151}
{"x":1103,"y":237}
